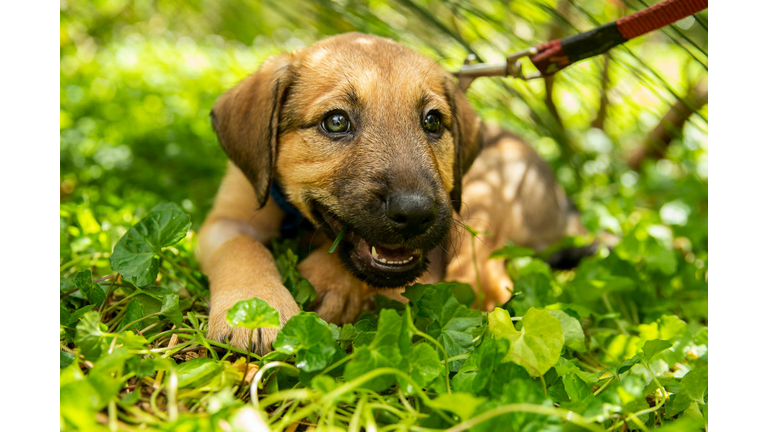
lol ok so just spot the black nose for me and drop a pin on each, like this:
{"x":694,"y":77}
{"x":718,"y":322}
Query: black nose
{"x":412,"y":213}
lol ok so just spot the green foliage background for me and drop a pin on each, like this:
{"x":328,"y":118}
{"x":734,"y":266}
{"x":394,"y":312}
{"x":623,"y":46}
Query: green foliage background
{"x":137,"y":82}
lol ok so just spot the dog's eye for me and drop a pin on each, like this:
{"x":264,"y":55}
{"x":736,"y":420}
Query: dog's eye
{"x":336,"y":123}
{"x":432,"y":122}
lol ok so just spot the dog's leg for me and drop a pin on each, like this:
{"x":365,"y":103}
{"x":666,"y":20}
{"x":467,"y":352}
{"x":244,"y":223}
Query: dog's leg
{"x":239,"y":266}
{"x":466,"y":266}
{"x":340,"y":296}
{"x":510,"y":194}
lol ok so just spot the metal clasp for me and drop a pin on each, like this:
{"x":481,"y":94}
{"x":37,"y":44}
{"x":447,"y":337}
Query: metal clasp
{"x":511,"y":67}
{"x":515,"y":66}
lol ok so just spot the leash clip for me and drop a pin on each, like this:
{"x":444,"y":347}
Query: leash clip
{"x":515,"y":66}
{"x":511,"y":67}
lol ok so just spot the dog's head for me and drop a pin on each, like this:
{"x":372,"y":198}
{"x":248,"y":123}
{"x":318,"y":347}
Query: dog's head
{"x":361,"y":133}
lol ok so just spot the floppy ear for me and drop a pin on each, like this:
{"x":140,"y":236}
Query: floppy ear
{"x":246,"y":118}
{"x":467,"y":136}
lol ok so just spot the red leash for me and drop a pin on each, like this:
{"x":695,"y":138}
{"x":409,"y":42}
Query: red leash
{"x":550,"y":57}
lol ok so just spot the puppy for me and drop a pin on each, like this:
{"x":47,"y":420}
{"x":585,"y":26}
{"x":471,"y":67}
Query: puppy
{"x":360,"y":134}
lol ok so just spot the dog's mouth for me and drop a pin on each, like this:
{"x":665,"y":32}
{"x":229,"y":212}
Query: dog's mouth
{"x":378,"y":264}
{"x":387,"y":259}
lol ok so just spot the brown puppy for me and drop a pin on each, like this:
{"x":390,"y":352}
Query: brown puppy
{"x":367,"y":135}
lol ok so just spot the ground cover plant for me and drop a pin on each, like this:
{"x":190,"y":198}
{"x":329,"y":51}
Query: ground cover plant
{"x":618,"y":343}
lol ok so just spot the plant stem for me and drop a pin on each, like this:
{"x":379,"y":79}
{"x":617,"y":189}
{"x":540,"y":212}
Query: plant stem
{"x":526,"y":408}
{"x":480,"y":294}
{"x":127,"y":326}
{"x":220,"y":345}
{"x":73,"y":261}
{"x":182,"y":269}
{"x":436,"y":343}
{"x":602,"y":387}
{"x":608,"y":306}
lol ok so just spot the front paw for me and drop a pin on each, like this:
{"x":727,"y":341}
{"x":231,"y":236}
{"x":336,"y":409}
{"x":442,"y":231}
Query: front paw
{"x":339,"y":302}
{"x":340,"y":296}
{"x":238,"y":337}
{"x":495,"y":282}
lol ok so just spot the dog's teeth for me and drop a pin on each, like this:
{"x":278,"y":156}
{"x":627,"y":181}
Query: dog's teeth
{"x":373,"y":252}
{"x":384,"y":260}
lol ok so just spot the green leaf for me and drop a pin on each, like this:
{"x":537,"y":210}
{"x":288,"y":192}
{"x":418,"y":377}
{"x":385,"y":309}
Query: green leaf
{"x":453,"y":322}
{"x":310,"y":339}
{"x":660,"y":258}
{"x":75,"y":316}
{"x":430,"y":299}
{"x":348,"y":332}
{"x":141,"y":367}
{"x":511,"y":251}
{"x":424,"y":366}
{"x":301,"y":289}
{"x":65,"y":359}
{"x":462,"y":404}
{"x":383,"y":351}
{"x":64,"y":315}
{"x":253,"y":313}
{"x":192,"y":319}
{"x":577,"y":389}
{"x":83,"y":279}
{"x":695,"y":384}
{"x":464,"y":293}
{"x":65,"y":250}
{"x":196,"y":372}
{"x":90,"y":336}
{"x":82,"y":396}
{"x":171,"y":309}
{"x":572,"y":331}
{"x":134,"y":255}
{"x":534,"y":291}
{"x":96,"y":295}
{"x":537,"y":346}
{"x":135,"y":259}
{"x":91,"y":291}
{"x":651,"y":348}
{"x":477,"y":372}
{"x":133,"y":312}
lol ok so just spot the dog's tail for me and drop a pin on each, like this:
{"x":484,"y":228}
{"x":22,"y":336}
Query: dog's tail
{"x":570,"y":256}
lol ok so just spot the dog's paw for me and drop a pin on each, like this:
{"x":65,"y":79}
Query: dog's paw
{"x":340,"y":296}
{"x":495,"y":283}
{"x":497,"y":286}
{"x":340,"y":303}
{"x":238,"y":337}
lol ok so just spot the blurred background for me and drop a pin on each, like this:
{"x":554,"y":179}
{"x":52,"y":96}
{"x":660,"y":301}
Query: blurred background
{"x":626,"y":133}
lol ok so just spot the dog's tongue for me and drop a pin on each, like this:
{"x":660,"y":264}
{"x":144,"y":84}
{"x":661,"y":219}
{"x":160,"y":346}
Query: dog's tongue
{"x":392,"y":256}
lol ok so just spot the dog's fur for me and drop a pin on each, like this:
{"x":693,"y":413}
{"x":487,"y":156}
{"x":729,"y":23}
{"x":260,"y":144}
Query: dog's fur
{"x":269,"y":125}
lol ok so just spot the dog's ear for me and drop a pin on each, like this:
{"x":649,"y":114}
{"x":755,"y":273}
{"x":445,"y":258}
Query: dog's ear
{"x":467,"y":136}
{"x":246,"y":121}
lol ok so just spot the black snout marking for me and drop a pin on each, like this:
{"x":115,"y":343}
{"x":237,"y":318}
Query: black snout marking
{"x":411,"y":213}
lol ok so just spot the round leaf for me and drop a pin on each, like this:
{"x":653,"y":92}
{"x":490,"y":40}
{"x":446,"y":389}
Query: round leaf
{"x":537,"y":346}
{"x":310,"y":338}
{"x":253,"y":313}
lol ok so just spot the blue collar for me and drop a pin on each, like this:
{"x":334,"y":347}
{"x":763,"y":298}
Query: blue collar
{"x":293,"y":217}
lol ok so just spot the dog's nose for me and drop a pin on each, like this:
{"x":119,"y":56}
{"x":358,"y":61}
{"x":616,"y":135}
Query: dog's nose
{"x":412,"y":213}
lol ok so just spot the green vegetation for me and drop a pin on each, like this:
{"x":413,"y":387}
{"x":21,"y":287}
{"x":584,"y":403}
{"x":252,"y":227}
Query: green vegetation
{"x":619,"y":343}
